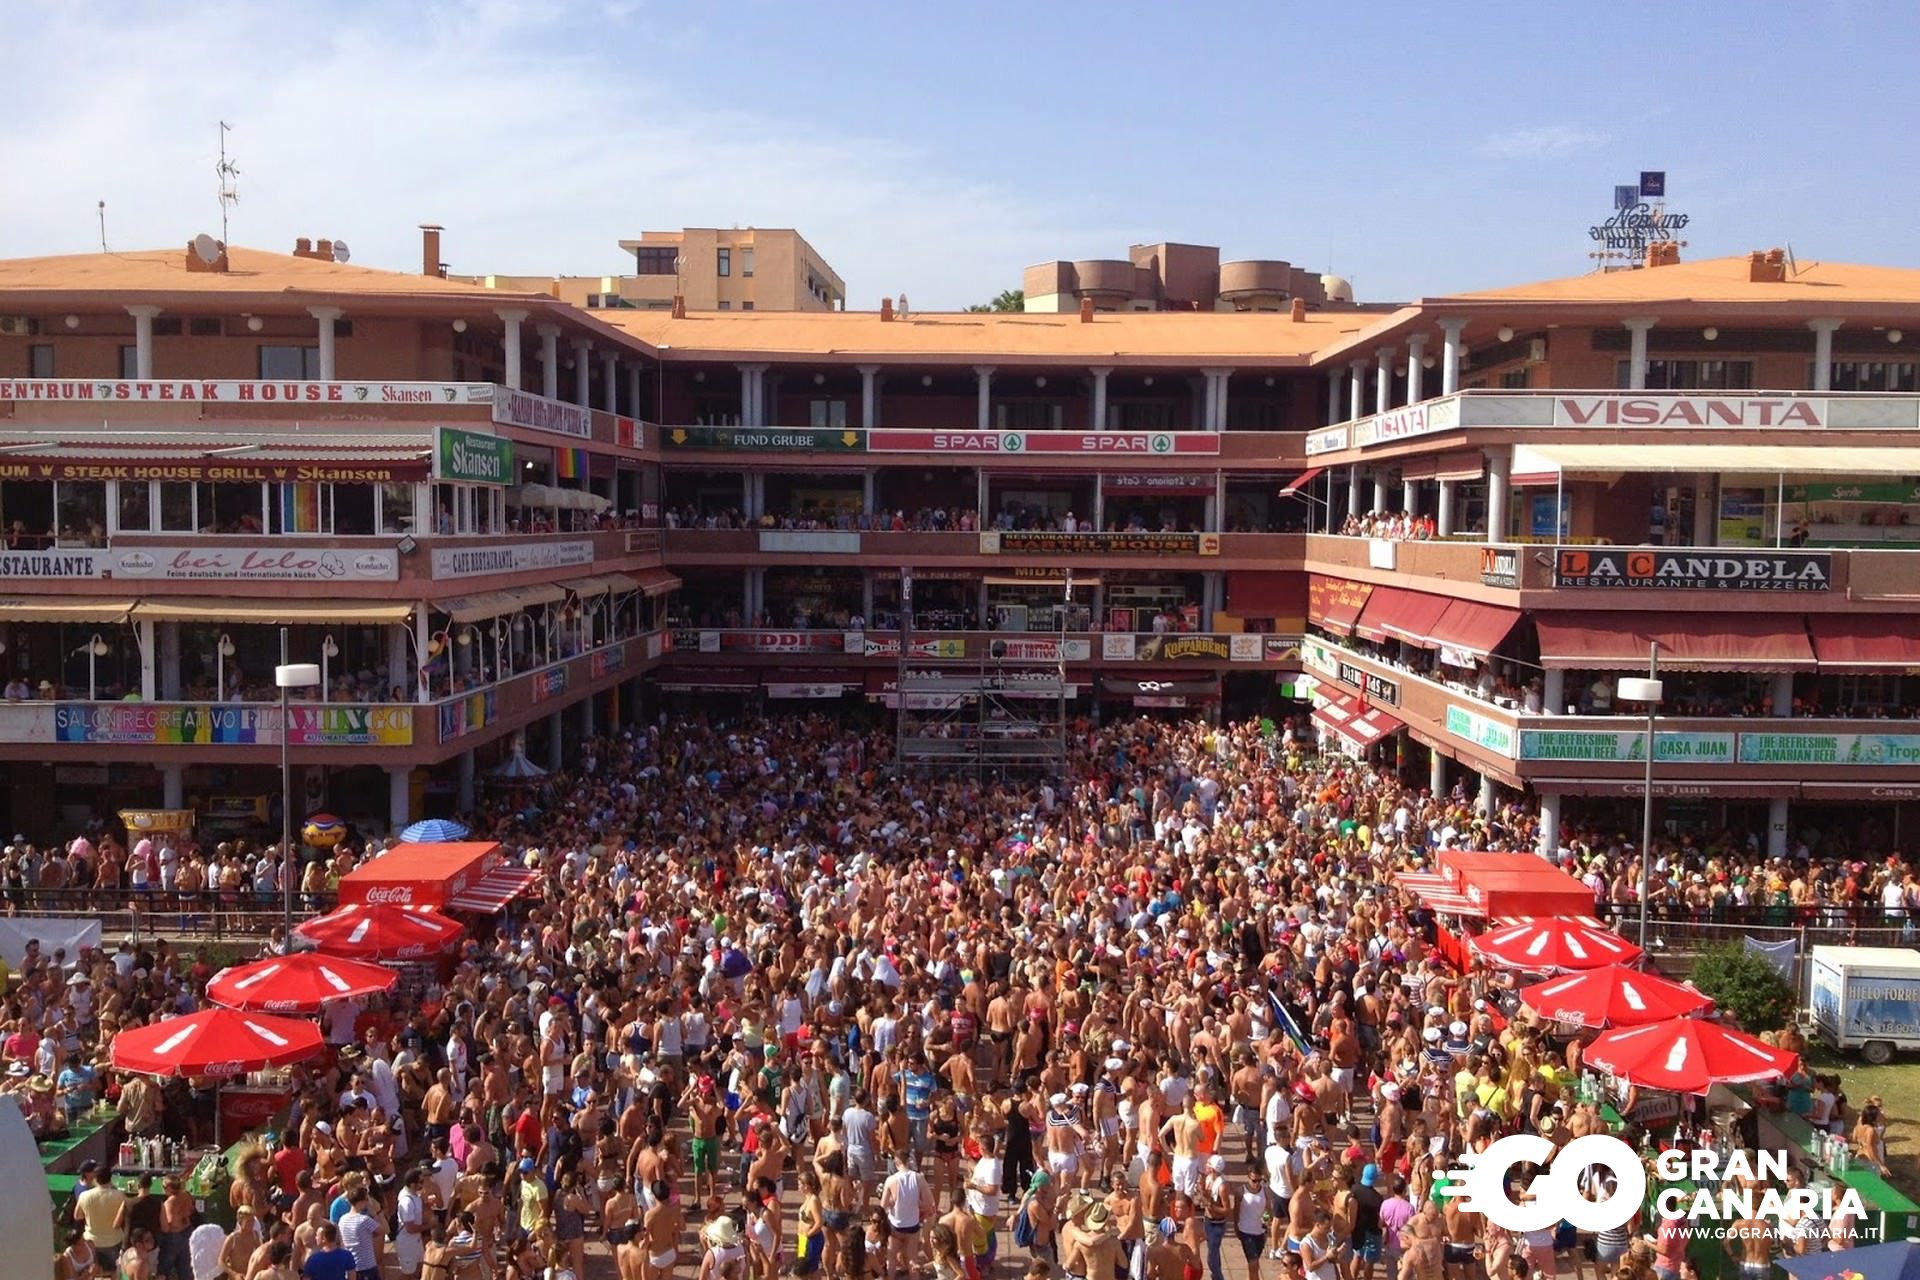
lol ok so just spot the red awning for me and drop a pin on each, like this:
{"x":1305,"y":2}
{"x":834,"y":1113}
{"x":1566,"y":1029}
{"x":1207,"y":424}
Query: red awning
{"x":1415,"y":617}
{"x":490,"y":894}
{"x":655,"y":582}
{"x":1383,"y":603}
{"x":1865,"y":642}
{"x":1266,"y":593}
{"x":1755,"y":642}
{"x":1302,"y":480}
{"x":1470,"y":465}
{"x":1516,"y":884}
{"x":1334,"y":603}
{"x":1437,"y":891}
{"x":1362,"y":728}
{"x":1476,"y":628}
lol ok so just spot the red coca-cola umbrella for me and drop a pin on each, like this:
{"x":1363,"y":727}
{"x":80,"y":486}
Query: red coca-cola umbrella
{"x":1615,"y":996}
{"x":1554,"y":946}
{"x":220,"y":1043}
{"x":298,"y":983}
{"x":380,"y":931}
{"x":1687,"y":1055}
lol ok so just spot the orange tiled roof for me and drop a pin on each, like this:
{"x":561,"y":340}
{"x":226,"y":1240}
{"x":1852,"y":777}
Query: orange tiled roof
{"x":253,"y":272}
{"x":1717,"y":280}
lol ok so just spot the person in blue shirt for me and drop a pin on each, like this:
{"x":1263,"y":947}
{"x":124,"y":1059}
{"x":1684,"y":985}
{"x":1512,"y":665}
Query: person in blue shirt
{"x":76,"y":1084}
{"x":917,"y":1084}
{"x":328,"y":1261}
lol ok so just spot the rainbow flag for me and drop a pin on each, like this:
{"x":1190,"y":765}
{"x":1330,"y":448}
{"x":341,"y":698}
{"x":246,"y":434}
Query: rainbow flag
{"x":570,"y":464}
{"x":300,"y":508}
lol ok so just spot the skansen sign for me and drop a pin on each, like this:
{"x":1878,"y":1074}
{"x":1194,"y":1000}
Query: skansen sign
{"x":1688,"y":411}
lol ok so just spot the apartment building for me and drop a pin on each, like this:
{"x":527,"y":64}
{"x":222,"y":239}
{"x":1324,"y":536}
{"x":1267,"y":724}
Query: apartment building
{"x":707,"y":268}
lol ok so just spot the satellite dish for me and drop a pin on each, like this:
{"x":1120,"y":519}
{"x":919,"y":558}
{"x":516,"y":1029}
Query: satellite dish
{"x":340,"y":253}
{"x":206,"y":248}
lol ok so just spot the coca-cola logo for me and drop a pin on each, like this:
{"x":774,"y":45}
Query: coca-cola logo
{"x":410,"y":952}
{"x":397,"y":894}
{"x":281,"y":1006}
{"x":221,"y":1070}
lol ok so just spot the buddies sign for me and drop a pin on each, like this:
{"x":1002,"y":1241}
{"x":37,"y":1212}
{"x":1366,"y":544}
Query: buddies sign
{"x":1693,"y":570}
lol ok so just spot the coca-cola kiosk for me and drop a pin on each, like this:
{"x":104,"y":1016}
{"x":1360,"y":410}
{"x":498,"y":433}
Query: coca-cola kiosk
{"x":472,"y":878}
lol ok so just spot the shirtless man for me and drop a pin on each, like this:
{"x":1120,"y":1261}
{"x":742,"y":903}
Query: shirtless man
{"x":1424,"y":1257}
{"x":1106,"y":1118}
{"x":1752,"y":1241}
{"x":1167,"y":1258}
{"x":1182,"y":1136}
{"x":706,"y":1114}
{"x":1066,"y":1139}
{"x":1462,"y":1236}
{"x":1244,"y":1087}
{"x":661,"y":1231}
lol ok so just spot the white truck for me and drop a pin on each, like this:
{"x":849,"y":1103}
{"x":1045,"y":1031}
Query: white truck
{"x":1866,"y":998}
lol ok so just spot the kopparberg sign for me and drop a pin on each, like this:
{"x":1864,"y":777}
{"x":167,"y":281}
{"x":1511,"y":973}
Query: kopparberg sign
{"x":1481,"y":1185}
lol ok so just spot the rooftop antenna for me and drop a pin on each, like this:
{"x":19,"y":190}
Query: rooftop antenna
{"x":101,"y":209}
{"x":1793,"y":267}
{"x":228,"y":173}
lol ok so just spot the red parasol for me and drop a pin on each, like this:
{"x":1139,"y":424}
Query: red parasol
{"x":380,"y":931}
{"x":215,"y":1042}
{"x":1554,"y":946}
{"x":1686,"y":1055}
{"x":297,"y":983}
{"x":1615,"y":996}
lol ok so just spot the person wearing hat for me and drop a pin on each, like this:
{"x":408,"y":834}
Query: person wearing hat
{"x":1089,"y":1247}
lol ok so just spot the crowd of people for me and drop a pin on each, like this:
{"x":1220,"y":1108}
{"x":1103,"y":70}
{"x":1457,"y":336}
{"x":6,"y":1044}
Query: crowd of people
{"x":1398,"y":526}
{"x":775,"y":1011}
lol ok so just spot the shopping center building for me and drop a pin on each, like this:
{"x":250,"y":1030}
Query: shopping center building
{"x":501,"y":522}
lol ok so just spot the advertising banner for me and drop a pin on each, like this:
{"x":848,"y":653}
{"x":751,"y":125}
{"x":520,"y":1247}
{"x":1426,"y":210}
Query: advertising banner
{"x":161,"y":391}
{"x":1183,"y":648}
{"x":166,"y":724}
{"x":1133,"y":443}
{"x":1622,"y":746}
{"x":461,"y":716}
{"x":1830,"y":748}
{"x":1652,"y":569}
{"x":810,"y":541}
{"x":766,"y":439}
{"x":218,"y":470}
{"x":550,"y":683}
{"x":1483,"y":732}
{"x":257,"y":564}
{"x":1046,"y":542}
{"x":53,"y":564}
{"x":608,"y":660}
{"x":537,"y":413}
{"x":510,"y":557}
{"x":472,"y":458}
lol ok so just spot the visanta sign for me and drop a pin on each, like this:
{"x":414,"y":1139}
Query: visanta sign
{"x":1688,"y":411}
{"x":1694,"y":570}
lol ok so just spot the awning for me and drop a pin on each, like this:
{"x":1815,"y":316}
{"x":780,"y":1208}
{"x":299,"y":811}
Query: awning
{"x":586,"y":588}
{"x":1472,"y":627}
{"x":1363,"y":728}
{"x":1051,"y":579}
{"x":1436,"y":891}
{"x":1393,"y":613}
{"x":534,"y":597}
{"x":289,"y":612}
{"x":1334,"y":603}
{"x":56,"y":609}
{"x":1470,"y":465}
{"x":696,"y":680}
{"x":477,"y":608}
{"x":1759,"y":459}
{"x":490,"y":894}
{"x":1688,"y":641}
{"x":655,"y":582}
{"x":1419,"y":468}
{"x":1865,"y":642}
{"x":1129,"y":687}
{"x":621,"y":583}
{"x":1370,"y":623}
{"x":1302,"y":480}
{"x":1667,"y":788}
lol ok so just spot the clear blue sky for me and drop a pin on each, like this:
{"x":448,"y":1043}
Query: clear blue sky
{"x":1417,"y":148}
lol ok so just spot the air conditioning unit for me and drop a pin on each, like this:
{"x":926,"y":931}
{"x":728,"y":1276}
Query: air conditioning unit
{"x":1536,"y":350}
{"x":19,"y":326}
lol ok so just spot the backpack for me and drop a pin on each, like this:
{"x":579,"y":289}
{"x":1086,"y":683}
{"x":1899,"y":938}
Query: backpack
{"x":1023,"y":1232}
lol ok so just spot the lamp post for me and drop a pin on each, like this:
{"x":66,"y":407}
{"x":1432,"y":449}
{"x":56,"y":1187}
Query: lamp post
{"x":328,"y":651}
{"x":288,"y":675}
{"x":1649,"y":690}
{"x":95,"y":649}
{"x":222,"y":651}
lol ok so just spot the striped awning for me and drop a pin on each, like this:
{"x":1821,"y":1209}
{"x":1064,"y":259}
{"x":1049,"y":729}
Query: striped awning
{"x":490,"y":894}
{"x":1436,"y":891}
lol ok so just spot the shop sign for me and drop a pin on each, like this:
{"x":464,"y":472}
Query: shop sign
{"x":1159,"y":481}
{"x":1617,"y":746}
{"x":1395,"y":424}
{"x":765,"y":439}
{"x":1499,"y":567}
{"x":1635,"y":225}
{"x":216,"y":470}
{"x":351,"y":726}
{"x":778,"y":641}
{"x":510,"y":557}
{"x":608,"y":660}
{"x":154,"y":391}
{"x":1245,"y":647}
{"x":1487,"y":734}
{"x":1183,"y":648}
{"x":1830,"y":748}
{"x":810,"y":542}
{"x":882,"y":647}
{"x":806,"y":691}
{"x":1281,"y":649}
{"x":469,"y":714}
{"x":550,"y":683}
{"x":1903,"y":494}
{"x":1327,"y":440}
{"x":1316,"y":655}
{"x":1118,"y":646}
{"x":472,"y":458}
{"x":537,"y":413}
{"x":53,"y":564}
{"x":1328,"y":597}
{"x":257,"y":564}
{"x":1377,"y":687}
{"x":1045,"y":650}
{"x":1046,"y":542}
{"x":1131,"y":443}
{"x":1693,"y":570}
{"x":176,"y":724}
{"x":1689,"y":411}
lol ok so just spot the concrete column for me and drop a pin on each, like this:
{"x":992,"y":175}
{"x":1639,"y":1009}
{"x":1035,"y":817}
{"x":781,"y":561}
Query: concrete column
{"x":422,"y":691}
{"x":1099,"y":502}
{"x":399,"y":796}
{"x":984,"y":614}
{"x":867,"y":479}
{"x":142,"y":340}
{"x":1486,"y":793}
{"x":556,"y":742}
{"x":1379,"y":491}
{"x":173,"y":786}
{"x":1553,"y":691}
{"x":1383,"y":379}
{"x":1215,"y":417}
{"x":549,"y":360}
{"x":1099,"y":422}
{"x":1416,"y":352}
{"x":1823,"y":353}
{"x":610,"y":382}
{"x":510,"y":319}
{"x":1777,"y":827}
{"x":1436,"y":773}
{"x":1210,"y":513}
{"x":633,"y":394}
{"x":1499,"y":486}
{"x":464,"y":799}
{"x":168,"y":639}
{"x":1333,"y":398}
{"x":1353,"y":490}
{"x":396,"y":657}
{"x":587,"y":716}
{"x":1549,"y":825}
{"x":1410,"y":496}
{"x":583,"y":372}
{"x":1637,"y":328}
{"x":980,"y":484}
{"x":1450,"y":331}
{"x":1780,"y":693}
{"x":983,"y":415}
{"x":1706,"y":509}
{"x":866,"y":597}
{"x":1443,"y":514}
{"x":869,"y":395}
{"x":149,"y":662}
{"x":1356,"y":390}
{"x":329,"y":365}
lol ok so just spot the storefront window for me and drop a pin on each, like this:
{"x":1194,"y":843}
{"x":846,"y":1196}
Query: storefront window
{"x":80,"y":508}
{"x":353,"y":506}
{"x":302,"y":508}
{"x":27,"y":508}
{"x":176,"y":508}
{"x":396,"y":508}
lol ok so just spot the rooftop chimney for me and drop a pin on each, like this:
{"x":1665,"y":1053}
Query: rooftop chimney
{"x":303,"y":248}
{"x":886,"y":309}
{"x":430,"y":249}
{"x":196,"y":263}
{"x":323,"y":250}
{"x":1299,"y":311}
{"x":679,"y":306}
{"x":1768,"y":267}
{"x":1086,"y":311}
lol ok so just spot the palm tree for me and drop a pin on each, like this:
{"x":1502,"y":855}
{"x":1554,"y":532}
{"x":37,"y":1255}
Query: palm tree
{"x":1008,"y":300}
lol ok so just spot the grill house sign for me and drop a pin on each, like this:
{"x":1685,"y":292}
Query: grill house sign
{"x":1694,"y":570}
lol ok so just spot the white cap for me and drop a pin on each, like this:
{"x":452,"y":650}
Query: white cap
{"x":1057,"y":1100}
{"x":1079,"y":1087}
{"x":1458,"y":1029}
{"x":1433,"y":1035}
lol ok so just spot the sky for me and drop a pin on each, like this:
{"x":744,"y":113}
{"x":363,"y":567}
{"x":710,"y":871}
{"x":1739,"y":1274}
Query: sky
{"x":936,"y":150}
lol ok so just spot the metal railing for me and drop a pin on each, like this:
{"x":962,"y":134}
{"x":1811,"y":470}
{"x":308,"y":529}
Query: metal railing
{"x":209,"y":915}
{"x":1813,"y":925}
